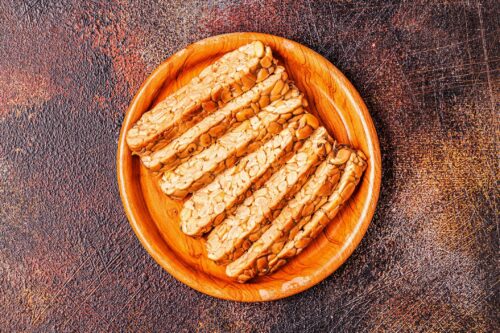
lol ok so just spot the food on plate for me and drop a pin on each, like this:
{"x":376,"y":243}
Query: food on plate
{"x":258,"y":174}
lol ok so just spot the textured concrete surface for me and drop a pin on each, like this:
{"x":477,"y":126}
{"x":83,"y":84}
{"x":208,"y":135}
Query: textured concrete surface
{"x":429,"y":72}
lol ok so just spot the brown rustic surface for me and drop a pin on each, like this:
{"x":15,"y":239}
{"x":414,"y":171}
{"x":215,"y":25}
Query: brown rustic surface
{"x":429,"y":73}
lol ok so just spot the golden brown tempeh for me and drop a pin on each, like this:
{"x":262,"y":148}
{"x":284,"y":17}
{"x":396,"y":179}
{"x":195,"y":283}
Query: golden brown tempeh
{"x":209,"y":205}
{"x":237,"y":232}
{"x":230,"y":76}
{"x":208,"y":130}
{"x":310,"y":197}
{"x":309,"y":227}
{"x":201,"y":169}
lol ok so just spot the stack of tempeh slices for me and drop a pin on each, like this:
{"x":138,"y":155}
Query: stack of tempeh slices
{"x":257,"y":171}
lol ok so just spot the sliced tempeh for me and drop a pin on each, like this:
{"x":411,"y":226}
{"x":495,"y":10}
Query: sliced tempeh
{"x":230,"y":76}
{"x":209,"y":205}
{"x":237,"y":232}
{"x":310,"y":226}
{"x":201,"y":169}
{"x":309,"y":199}
{"x":204,"y":133}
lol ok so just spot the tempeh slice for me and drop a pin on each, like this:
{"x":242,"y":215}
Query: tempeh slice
{"x":230,"y":76}
{"x":201,"y":169}
{"x":209,"y":129}
{"x":237,"y":232}
{"x":310,"y":226}
{"x":310,"y":197}
{"x":209,"y":205}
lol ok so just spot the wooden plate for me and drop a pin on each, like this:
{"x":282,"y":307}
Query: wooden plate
{"x":154,"y":217}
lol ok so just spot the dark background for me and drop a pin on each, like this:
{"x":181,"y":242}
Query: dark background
{"x":429,"y":73}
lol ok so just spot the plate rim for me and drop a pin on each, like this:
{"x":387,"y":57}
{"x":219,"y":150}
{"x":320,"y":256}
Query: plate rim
{"x":366,"y":215}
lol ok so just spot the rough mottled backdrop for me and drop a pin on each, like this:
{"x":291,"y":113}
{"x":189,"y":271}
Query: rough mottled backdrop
{"x":429,"y":73}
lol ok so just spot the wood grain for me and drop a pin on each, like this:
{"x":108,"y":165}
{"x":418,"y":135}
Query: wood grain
{"x":155,"y":217}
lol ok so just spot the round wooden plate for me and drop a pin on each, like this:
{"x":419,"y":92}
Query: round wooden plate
{"x":155,"y":218}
